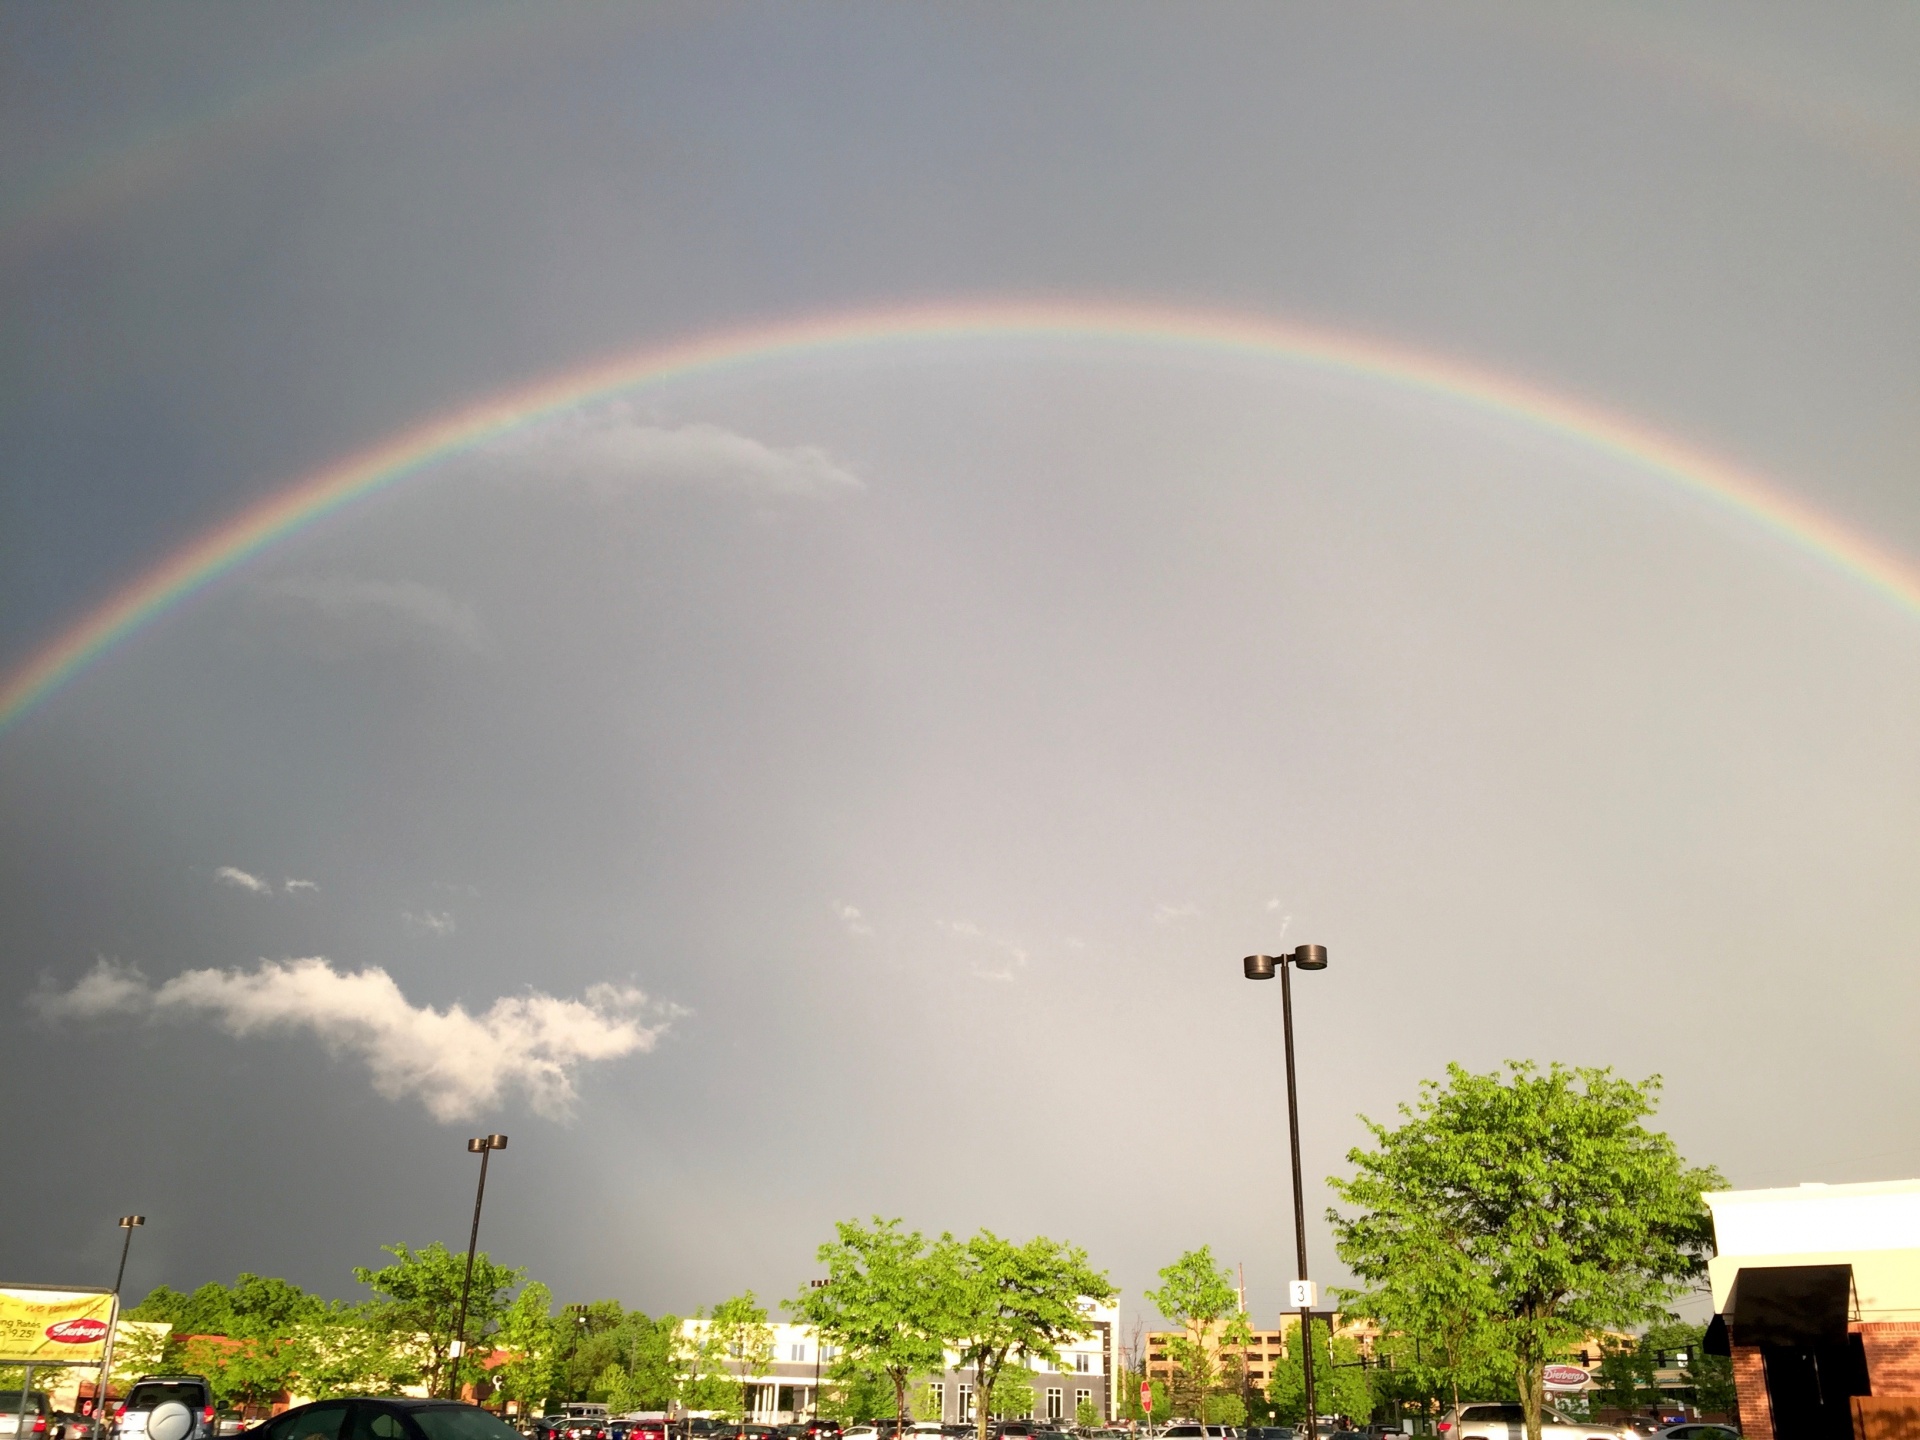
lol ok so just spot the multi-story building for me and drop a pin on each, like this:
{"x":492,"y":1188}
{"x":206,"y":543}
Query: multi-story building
{"x":788,"y":1387}
{"x":1262,"y":1351}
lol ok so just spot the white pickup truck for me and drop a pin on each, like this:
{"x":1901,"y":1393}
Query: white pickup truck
{"x":1509,"y":1422}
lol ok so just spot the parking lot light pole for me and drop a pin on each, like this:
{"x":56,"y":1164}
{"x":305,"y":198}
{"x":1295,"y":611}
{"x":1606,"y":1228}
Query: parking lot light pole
{"x":483,"y":1146}
{"x":1262,"y":967}
{"x":128,"y":1223}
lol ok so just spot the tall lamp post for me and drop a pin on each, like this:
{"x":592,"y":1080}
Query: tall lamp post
{"x":484,"y":1146}
{"x":128,"y":1223}
{"x":1262,"y":967}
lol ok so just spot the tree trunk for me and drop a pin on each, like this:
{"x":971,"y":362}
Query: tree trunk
{"x":982,"y":1394}
{"x":1532,"y":1386}
{"x":900,"y":1379}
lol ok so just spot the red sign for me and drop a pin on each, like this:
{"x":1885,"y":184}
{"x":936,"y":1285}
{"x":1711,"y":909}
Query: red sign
{"x":85,"y":1331}
{"x":1146,"y":1396}
{"x":1563,"y":1377}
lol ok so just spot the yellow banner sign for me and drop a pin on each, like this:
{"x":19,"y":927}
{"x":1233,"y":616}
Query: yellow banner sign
{"x":53,"y":1327}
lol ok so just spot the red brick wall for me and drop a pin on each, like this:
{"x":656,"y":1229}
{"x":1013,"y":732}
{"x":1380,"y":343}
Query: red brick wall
{"x":1893,"y":1355}
{"x":1886,"y":1417}
{"x":1750,"y":1379}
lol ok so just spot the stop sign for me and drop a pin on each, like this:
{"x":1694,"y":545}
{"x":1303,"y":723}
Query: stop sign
{"x":1146,"y":1396}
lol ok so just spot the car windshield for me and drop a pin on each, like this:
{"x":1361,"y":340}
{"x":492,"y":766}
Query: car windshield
{"x":461,"y":1422}
{"x":10,"y":1402}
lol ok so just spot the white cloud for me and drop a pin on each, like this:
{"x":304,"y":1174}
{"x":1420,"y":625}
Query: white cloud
{"x":1005,"y":956}
{"x":1274,"y":904}
{"x":110,"y":988}
{"x":241,"y":880}
{"x":456,"y":1063}
{"x":342,"y":613}
{"x":299,"y":887}
{"x":612,"y":450}
{"x":437,"y":923}
{"x":1164,"y":914}
{"x":851,"y":918}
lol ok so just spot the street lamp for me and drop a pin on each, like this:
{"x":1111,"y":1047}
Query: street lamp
{"x":483,"y":1146}
{"x":1262,"y":967}
{"x":128,"y":1223}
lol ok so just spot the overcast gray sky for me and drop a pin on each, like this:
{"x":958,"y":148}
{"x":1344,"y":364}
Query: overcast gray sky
{"x":848,"y":783}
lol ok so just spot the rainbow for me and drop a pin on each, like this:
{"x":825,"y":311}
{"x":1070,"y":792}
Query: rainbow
{"x":340,"y":483}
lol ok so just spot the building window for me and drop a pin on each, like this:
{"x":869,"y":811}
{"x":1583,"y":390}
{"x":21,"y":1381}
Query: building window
{"x":964,"y":1394}
{"x":799,"y":1353}
{"x":1056,"y":1402}
{"x":1081,"y":1397}
{"x":1082,"y":1362}
{"x":937,"y":1399}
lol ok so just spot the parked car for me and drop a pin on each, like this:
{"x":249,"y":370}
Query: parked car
{"x":1509,"y":1422}
{"x":395,"y":1418}
{"x":1697,"y":1430}
{"x":167,"y":1407}
{"x":40,"y":1421}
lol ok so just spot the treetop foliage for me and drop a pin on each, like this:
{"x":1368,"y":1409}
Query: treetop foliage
{"x":1512,"y":1213}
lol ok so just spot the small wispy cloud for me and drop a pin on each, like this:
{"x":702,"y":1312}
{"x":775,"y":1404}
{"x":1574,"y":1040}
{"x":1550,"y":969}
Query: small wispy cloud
{"x":437,"y":923}
{"x":291,"y":886}
{"x":456,"y":1063}
{"x":612,"y":450}
{"x":344,"y":614}
{"x":1003,"y":958}
{"x":851,"y":917}
{"x":240,"y":880}
{"x":1164,"y":914}
{"x":1274,"y":904}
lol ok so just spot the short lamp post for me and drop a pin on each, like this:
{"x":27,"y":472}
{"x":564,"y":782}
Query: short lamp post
{"x":483,"y":1146}
{"x":1263,"y":967}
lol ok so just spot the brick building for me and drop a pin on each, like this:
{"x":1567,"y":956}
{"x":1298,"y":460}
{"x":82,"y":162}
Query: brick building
{"x":1265,"y":1348}
{"x":1816,"y":1293}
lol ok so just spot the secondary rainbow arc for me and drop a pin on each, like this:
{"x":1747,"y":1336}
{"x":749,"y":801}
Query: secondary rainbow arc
{"x":324,"y":491}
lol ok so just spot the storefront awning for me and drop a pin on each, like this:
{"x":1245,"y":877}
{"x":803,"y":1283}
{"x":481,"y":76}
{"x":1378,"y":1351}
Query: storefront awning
{"x":1787,"y":1305}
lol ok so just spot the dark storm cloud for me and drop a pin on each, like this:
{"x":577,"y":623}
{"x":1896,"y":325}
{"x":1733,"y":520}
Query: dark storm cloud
{"x":937,"y":729}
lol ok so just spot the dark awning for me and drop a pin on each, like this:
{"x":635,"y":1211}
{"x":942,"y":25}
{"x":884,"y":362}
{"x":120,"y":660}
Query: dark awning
{"x":1790,"y":1304}
{"x":1716,"y":1341}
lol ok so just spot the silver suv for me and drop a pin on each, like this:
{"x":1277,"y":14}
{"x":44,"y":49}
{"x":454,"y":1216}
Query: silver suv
{"x":167,"y":1407}
{"x":1509,"y":1422}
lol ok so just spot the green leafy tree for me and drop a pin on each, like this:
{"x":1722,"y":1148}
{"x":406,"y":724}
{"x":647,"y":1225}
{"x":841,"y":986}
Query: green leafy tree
{"x":927,"y":1404}
{"x":241,"y":1372}
{"x":1710,"y":1376}
{"x":1626,"y":1375}
{"x":702,"y":1380}
{"x":1086,"y":1415}
{"x":346,"y":1350}
{"x":529,"y":1335}
{"x":591,"y":1337}
{"x":850,"y":1394}
{"x":1012,"y":1392}
{"x":1223,"y":1408}
{"x":890,"y":1301}
{"x":745,"y":1340}
{"x":1535,"y":1201}
{"x":1340,"y":1385}
{"x":1197,"y":1295}
{"x":1018,"y":1303}
{"x":417,"y":1301}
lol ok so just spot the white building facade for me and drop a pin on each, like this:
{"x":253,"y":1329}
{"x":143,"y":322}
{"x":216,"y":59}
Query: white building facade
{"x":788,"y":1387}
